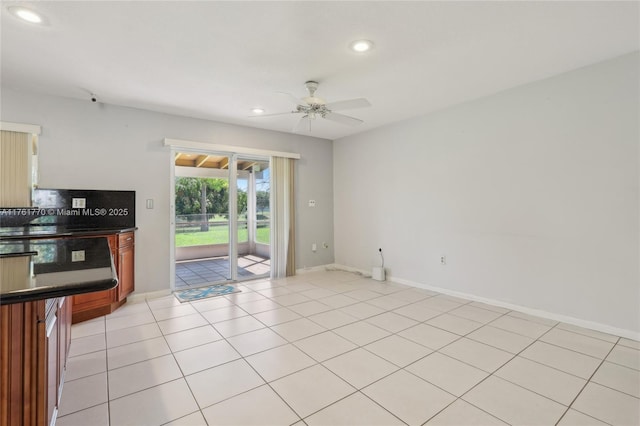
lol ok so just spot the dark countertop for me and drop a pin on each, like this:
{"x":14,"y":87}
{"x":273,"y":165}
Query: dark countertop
{"x":54,"y":231}
{"x":42,"y":268}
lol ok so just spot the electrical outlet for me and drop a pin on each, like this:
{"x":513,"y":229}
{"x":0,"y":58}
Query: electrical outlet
{"x":77,"y":256}
{"x":325,"y":245}
{"x":312,"y":203}
{"x":443,"y":260}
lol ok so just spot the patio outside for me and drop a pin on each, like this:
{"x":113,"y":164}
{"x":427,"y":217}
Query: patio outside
{"x":202,"y":228}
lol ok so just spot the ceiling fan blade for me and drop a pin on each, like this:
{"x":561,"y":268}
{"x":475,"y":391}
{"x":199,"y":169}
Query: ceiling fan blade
{"x":292,"y":98}
{"x":343,"y":119}
{"x":300,"y":123}
{"x":272,"y":115}
{"x":349,"y":104}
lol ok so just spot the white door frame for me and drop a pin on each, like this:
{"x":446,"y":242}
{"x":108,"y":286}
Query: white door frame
{"x":233,"y":206}
{"x":233,"y":220}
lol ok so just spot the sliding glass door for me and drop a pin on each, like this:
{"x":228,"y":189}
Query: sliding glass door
{"x":216,"y":218}
{"x":254,"y":226}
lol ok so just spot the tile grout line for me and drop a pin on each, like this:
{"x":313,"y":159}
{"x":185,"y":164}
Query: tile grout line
{"x":247,"y":362}
{"x":321,"y":363}
{"x":90,"y":375}
{"x":404,"y":368}
{"x":106,"y":356}
{"x":474,"y":386}
{"x":483,"y":380}
{"x":358,"y":346}
{"x":587,"y":383}
{"x":184,"y":378}
{"x":106,"y":361}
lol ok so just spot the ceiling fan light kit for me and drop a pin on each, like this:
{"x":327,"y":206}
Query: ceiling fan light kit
{"x":312,"y":107}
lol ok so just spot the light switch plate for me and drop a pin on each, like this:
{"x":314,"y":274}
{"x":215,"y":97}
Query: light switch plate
{"x":78,"y":203}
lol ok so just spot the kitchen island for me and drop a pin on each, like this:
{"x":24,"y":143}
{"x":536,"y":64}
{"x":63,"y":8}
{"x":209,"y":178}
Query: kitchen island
{"x":36,"y":269}
{"x":38,"y":278}
{"x":121,"y":242}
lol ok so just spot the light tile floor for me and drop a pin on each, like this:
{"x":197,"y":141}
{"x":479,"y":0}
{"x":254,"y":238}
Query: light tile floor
{"x":332,"y":348}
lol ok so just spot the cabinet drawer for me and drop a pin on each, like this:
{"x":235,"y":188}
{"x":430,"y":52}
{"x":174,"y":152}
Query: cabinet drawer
{"x":125,"y":239}
{"x":91,"y":300}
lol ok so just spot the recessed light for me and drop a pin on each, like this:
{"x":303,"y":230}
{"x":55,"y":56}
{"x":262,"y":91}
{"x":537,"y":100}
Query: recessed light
{"x":26,"y":14}
{"x":361,"y":46}
{"x":257,"y":110}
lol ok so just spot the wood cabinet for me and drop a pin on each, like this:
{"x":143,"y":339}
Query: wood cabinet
{"x":125,"y":265}
{"x":51,"y":350}
{"x":92,"y":305}
{"x":22,"y":332}
{"x":34,"y":344}
{"x":64,"y":330}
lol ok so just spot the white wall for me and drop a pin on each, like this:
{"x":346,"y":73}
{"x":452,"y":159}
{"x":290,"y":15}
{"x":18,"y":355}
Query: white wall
{"x":532,"y":195}
{"x":98,"y":146}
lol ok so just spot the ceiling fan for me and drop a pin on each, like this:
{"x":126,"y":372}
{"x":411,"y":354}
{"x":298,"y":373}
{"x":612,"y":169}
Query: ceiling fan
{"x":312,"y":107}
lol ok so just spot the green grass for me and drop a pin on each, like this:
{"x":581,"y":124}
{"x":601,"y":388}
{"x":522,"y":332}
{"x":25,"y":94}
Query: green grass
{"x":263,"y":235}
{"x":218,"y":235}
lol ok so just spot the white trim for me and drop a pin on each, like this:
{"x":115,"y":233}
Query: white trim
{"x":172,"y":220}
{"x":20,"y":127}
{"x":233,"y":217}
{"x":307,"y":270}
{"x":141,"y":297}
{"x":206,"y":172}
{"x":604,"y":328}
{"x":179,"y":143}
{"x":338,"y":267}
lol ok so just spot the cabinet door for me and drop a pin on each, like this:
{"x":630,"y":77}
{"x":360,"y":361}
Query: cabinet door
{"x":125,"y":265}
{"x":85,"y":304}
{"x":52,"y":368}
{"x":64,"y":337}
{"x":126,"y":272}
{"x":23,"y":364}
{"x":96,"y":299}
{"x":125,"y":239}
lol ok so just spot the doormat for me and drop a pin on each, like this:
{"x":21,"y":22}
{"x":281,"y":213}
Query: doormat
{"x":192,"y":294}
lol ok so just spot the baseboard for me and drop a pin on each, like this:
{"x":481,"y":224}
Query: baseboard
{"x":604,"y":328}
{"x":339,"y":267}
{"x":140,"y":297}
{"x":309,"y":269}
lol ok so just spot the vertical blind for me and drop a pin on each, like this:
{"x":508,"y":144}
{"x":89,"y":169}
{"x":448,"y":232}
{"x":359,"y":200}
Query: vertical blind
{"x":284,"y":232}
{"x":15,"y":169}
{"x":15,"y":273}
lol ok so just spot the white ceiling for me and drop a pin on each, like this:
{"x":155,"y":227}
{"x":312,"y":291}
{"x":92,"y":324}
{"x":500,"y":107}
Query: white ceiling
{"x":217,"y":60}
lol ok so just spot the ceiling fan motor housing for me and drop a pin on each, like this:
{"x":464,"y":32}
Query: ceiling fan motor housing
{"x":311,"y":86}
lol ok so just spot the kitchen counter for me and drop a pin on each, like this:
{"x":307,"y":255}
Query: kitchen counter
{"x":54,"y":231}
{"x":42,"y":268}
